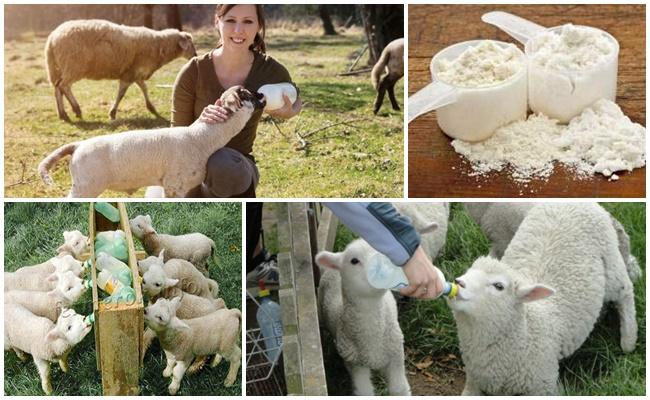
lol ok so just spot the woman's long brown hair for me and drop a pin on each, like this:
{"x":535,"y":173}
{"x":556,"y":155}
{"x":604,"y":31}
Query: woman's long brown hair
{"x":258,"y":42}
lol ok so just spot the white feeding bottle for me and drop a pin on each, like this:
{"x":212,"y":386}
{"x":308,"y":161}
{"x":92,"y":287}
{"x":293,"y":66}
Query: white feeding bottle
{"x":273,"y":94}
{"x":383,"y":274}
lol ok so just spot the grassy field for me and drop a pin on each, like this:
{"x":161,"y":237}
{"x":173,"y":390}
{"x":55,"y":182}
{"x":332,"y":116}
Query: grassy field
{"x":33,"y":231}
{"x":599,"y":367}
{"x":359,"y":155}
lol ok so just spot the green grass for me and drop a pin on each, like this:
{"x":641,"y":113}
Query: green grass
{"x":599,"y":367}
{"x":363,"y":158}
{"x":33,"y":231}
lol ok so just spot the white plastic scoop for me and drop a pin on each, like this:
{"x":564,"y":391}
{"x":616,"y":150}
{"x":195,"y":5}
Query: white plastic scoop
{"x":431,"y":97}
{"x":519,"y":28}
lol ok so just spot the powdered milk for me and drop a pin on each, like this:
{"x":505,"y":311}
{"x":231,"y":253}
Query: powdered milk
{"x":482,"y":65}
{"x":600,"y":140}
{"x":571,"y":67}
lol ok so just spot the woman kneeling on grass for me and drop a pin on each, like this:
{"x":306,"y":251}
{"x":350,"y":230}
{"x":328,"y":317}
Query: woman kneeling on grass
{"x":239,"y":59}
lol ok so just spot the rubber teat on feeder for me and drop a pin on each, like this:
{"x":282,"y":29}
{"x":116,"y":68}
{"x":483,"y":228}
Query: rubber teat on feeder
{"x":89,"y":319}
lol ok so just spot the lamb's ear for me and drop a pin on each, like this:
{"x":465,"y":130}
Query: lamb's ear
{"x":429,"y":228}
{"x":169,"y":282}
{"x":528,"y":293}
{"x":185,"y":41}
{"x":53,"y":335}
{"x":53,"y":277}
{"x":177,"y":323}
{"x":328,"y":259}
{"x":161,"y":255}
{"x":175,"y":303}
{"x":67,"y":235}
{"x":60,"y":248}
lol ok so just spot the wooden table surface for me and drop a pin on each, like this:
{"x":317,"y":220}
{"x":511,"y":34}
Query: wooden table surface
{"x":436,"y":170}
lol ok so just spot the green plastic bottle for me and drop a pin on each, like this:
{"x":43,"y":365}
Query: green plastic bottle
{"x":113,"y":243}
{"x":108,"y":211}
{"x":121,"y":271}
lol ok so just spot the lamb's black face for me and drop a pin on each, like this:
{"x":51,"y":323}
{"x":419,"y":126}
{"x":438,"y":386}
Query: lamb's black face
{"x":257,"y":99}
{"x":236,"y":95}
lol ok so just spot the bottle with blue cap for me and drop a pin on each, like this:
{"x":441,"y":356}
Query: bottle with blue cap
{"x":269,"y":318}
{"x":383,"y":274}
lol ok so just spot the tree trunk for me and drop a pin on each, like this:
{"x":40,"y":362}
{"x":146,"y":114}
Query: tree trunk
{"x":328,"y":27}
{"x":382,"y":24}
{"x":147,"y":10}
{"x":174,"y":17}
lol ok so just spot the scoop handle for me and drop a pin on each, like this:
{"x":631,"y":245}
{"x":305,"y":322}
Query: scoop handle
{"x":429,"y":98}
{"x":519,"y":28}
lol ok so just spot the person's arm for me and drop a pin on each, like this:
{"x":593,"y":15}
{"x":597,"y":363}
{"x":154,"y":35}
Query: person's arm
{"x":280,"y":74}
{"x":393,"y":235}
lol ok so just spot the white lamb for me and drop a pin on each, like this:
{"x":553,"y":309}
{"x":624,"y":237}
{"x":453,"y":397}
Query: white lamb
{"x":43,"y":339}
{"x":431,"y":221}
{"x":98,"y":49}
{"x":182,"y":340}
{"x":191,"y":306}
{"x":517,"y":317}
{"x":174,"y":276}
{"x":500,"y":221}
{"x":362,"y":319}
{"x":68,"y":290}
{"x":75,"y":244}
{"x":174,"y":158}
{"x":193,"y":247}
{"x":42,"y":277}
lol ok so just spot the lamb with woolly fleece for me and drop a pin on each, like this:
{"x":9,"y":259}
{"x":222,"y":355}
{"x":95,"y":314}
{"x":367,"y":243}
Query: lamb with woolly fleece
{"x":168,"y":279}
{"x":98,"y":49}
{"x":42,"y":277}
{"x":500,"y":222}
{"x":69,"y":289}
{"x":43,"y":339}
{"x":517,"y":317}
{"x":193,"y":247}
{"x":75,"y":244}
{"x":362,"y":319}
{"x":182,"y":340}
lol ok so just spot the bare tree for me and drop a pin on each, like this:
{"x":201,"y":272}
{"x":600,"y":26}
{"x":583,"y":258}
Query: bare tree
{"x":382,"y":23}
{"x":328,"y":27}
{"x":147,"y":15}
{"x":174,"y":17}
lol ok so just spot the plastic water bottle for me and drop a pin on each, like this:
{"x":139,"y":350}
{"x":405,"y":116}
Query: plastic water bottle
{"x":116,"y":267}
{"x":113,"y":243}
{"x":273,"y":94}
{"x":383,"y":274}
{"x":119,"y":293}
{"x":269,"y":318}
{"x":89,"y":319}
{"x":108,"y":211}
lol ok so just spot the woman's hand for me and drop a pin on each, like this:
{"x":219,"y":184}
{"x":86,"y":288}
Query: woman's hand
{"x":288,"y":110}
{"x":422,"y":276}
{"x":214,"y":113}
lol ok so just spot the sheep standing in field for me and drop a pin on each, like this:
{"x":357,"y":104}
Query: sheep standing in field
{"x":98,"y":49}
{"x":362,"y":319}
{"x":518,"y":316}
{"x":174,"y":158}
{"x":75,"y":244}
{"x":500,"y":222}
{"x":69,"y":289}
{"x":431,"y":221}
{"x":191,"y":306}
{"x":387,"y":71}
{"x":193,"y":247}
{"x":182,"y":340}
{"x":43,"y":339}
{"x":168,"y":279}
{"x":42,"y":277}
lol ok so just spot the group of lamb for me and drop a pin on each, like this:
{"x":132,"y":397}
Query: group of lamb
{"x":184,"y":312}
{"x":531,"y":302}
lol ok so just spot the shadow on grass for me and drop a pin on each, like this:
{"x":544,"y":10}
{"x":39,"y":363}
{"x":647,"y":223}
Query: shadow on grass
{"x":337,"y":97}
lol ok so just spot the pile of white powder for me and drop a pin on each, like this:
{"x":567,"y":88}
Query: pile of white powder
{"x":573,"y":48}
{"x":481,"y":65}
{"x":600,"y":140}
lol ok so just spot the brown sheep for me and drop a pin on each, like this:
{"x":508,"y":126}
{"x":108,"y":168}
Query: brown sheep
{"x":98,"y":49}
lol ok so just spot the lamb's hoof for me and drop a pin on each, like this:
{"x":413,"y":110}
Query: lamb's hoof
{"x":64,"y":117}
{"x":173,"y":388}
{"x":47,"y":388}
{"x":112,"y":115}
{"x":229,"y":382}
{"x":64,"y":366}
{"x":167,"y":372}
